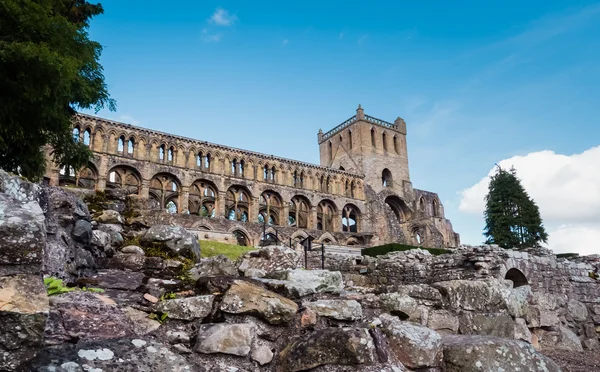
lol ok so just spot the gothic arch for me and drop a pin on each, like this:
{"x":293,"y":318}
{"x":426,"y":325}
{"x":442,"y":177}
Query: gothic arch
{"x":326,"y":237}
{"x":350,"y":218}
{"x":238,"y":201}
{"x":399,"y":208}
{"x":164,"y":192}
{"x":203,"y":198}
{"x":326,"y":211}
{"x":299,"y":211}
{"x":270,"y":208}
{"x":124,"y":177}
{"x":517,"y":277}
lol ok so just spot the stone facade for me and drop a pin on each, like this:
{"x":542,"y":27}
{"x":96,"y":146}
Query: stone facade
{"x":361,"y":187}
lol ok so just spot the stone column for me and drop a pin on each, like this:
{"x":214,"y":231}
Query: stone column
{"x":106,"y":139}
{"x":253,"y":210}
{"x":312,"y":218}
{"x":184,"y":198}
{"x":145,"y":191}
{"x":285,"y":213}
{"x":221,"y":204}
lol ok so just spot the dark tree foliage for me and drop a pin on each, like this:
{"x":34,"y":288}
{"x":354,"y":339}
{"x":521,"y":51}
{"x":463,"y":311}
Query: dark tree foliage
{"x":48,"y":69}
{"x":512,"y":218}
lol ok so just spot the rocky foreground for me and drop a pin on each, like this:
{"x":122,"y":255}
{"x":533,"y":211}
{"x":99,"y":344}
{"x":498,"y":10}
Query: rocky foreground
{"x":140,"y":298}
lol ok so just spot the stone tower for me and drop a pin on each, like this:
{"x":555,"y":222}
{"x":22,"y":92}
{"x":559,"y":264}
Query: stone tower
{"x":370,"y":146}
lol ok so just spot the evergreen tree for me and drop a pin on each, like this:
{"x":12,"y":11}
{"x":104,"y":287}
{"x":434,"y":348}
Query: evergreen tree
{"x":48,"y":69}
{"x":512,"y":218}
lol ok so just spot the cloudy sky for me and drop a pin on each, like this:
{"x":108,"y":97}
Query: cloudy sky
{"x":478,"y":83}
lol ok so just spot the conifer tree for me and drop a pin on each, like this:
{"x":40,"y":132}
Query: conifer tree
{"x":512,"y":218}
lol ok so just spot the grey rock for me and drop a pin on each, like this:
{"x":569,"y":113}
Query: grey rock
{"x":488,"y":353}
{"x":124,"y":354}
{"x":337,"y":309}
{"x":568,"y":340}
{"x":110,"y":216}
{"x":23,"y":314}
{"x":270,"y":259}
{"x":82,"y":232}
{"x":300,"y":283}
{"x":521,"y":331}
{"x":213,"y":266}
{"x":133,"y":249}
{"x":175,"y":238}
{"x":116,"y":279}
{"x":189,"y":308}
{"x":178,"y":337}
{"x":475,"y":295}
{"x":329,"y":346}
{"x":142,"y":325}
{"x":262,"y":354}
{"x":443,"y":321}
{"x":491,"y":324}
{"x":234,"y":339}
{"x":577,"y":310}
{"x":246,"y":298}
{"x":398,"y":303}
{"x":413,"y":345}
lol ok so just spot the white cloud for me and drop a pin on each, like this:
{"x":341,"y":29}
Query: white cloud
{"x":211,"y":38}
{"x":565,"y":187}
{"x":222,"y":17}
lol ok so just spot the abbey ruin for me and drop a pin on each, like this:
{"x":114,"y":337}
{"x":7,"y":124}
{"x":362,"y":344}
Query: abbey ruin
{"x":362,"y":185}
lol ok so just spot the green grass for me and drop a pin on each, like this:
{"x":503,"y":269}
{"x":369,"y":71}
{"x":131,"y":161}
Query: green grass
{"x":396,"y":247}
{"x":231,"y":251}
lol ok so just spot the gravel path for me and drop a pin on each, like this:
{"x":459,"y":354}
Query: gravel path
{"x":570,"y":361}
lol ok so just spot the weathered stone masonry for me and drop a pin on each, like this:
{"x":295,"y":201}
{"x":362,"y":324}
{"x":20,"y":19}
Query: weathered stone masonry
{"x":362,"y":185}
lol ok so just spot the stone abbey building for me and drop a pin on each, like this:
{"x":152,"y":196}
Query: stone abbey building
{"x":360,"y":194}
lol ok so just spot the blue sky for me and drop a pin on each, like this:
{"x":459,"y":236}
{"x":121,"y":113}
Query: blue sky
{"x":477,"y":82}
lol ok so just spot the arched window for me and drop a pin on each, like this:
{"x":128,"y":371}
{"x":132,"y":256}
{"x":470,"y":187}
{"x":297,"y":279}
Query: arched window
{"x":237,"y":202}
{"x":301,"y":179}
{"x":517,"y":277}
{"x":422,"y":204}
{"x":161,"y":153}
{"x":341,"y":139}
{"x":417,"y":237}
{"x":352,"y":185}
{"x":269,"y":208}
{"x":325,"y":215}
{"x":322,"y":185}
{"x":171,"y":207}
{"x":202,"y":199}
{"x":299,"y":212}
{"x":384,"y":139}
{"x":273,"y":174}
{"x":130,"y":146}
{"x":171,"y":153}
{"x":434,"y":208}
{"x":164,"y":187}
{"x":121,"y":144}
{"x":266,"y":173}
{"x":233,"y":166}
{"x":87,"y":137}
{"x":199,"y":160}
{"x":125,"y":178}
{"x":399,"y":208}
{"x":328,"y":185}
{"x":76,"y":134}
{"x":396,"y":145}
{"x":373,"y":137}
{"x":350,"y":139}
{"x":350,"y":218}
{"x":207,"y":160}
{"x":330,"y":150}
{"x":386,"y":178}
{"x":242,"y":167}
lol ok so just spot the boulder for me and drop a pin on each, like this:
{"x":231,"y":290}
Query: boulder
{"x":423,"y":294}
{"x":414,"y":345}
{"x":189,"y":308}
{"x":337,"y":309}
{"x":577,"y":311}
{"x":398,"y":303}
{"x":475,"y":295}
{"x":487,"y":353}
{"x":116,"y":279}
{"x":300,"y":283}
{"x":262,"y":354}
{"x":270,"y":259}
{"x":80,"y":315}
{"x":174,"y":238}
{"x":23,"y":313}
{"x":22,"y":228}
{"x":568,"y":340}
{"x":133,"y":249}
{"x":141,"y":323}
{"x":234,"y":339}
{"x":443,"y":321}
{"x":491,"y":324}
{"x":246,"y":298}
{"x":213,"y":266}
{"x":124,"y":354}
{"x":110,"y":216}
{"x":329,"y":346}
{"x":521,"y":331}
{"x":82,"y":232}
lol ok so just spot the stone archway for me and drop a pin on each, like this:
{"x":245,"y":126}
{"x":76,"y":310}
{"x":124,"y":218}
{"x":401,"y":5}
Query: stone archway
{"x":517,"y":277}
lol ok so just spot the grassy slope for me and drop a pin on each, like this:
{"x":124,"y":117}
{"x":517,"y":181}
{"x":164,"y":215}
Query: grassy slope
{"x":232,"y":251}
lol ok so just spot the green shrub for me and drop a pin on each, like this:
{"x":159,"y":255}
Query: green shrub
{"x":397,"y":247}
{"x":55,"y":286}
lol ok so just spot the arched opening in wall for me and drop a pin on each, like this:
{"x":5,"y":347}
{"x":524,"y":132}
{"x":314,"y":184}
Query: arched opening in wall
{"x":517,"y":277}
{"x":418,"y":239}
{"x":384,"y":140}
{"x":266,"y":173}
{"x":350,"y":218}
{"x":373,"y":137}
{"x":386,"y":178}
{"x":352,"y":186}
{"x":66,"y":176}
{"x":207,"y":162}
{"x":203,"y":198}
{"x":161,"y":153}
{"x":328,"y":185}
{"x":121,"y":144}
{"x":87,"y":137}
{"x":76,"y":133}
{"x":322,"y":184}
{"x":165,"y":187}
{"x":241,"y":237}
{"x":237,"y":203}
{"x":268,"y":239}
{"x":130,"y":147}
{"x":398,"y":207}
{"x":126,"y":178}
{"x":233,"y":166}
{"x":171,"y":207}
{"x":199,"y":160}
{"x":299,"y":212}
{"x":342,"y":168}
{"x":325,"y":215}
{"x":422,"y":204}
{"x":350,"y":139}
{"x":297,"y":179}
{"x":273,"y":174}
{"x":330,"y":146}
{"x":269,"y":209}
{"x":396,"y":145}
{"x":171,"y":154}
{"x":435,"y":208}
{"x":241,"y":168}
{"x":87,"y":177}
